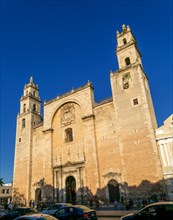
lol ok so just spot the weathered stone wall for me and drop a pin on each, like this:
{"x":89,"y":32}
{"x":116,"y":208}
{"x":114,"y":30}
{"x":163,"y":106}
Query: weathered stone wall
{"x":135,"y":128}
{"x":92,"y":143}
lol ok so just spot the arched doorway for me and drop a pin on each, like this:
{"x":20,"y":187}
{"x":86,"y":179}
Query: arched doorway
{"x":37,"y":195}
{"x":71,"y":189}
{"x":113,"y":189}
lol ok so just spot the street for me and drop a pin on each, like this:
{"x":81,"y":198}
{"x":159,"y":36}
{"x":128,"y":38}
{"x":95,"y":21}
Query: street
{"x":108,"y":218}
{"x":110,"y":213}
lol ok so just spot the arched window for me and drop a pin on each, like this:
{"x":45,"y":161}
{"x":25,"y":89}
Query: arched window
{"x":124,"y":41}
{"x":68,"y":135}
{"x":127,"y":61}
{"x":24,"y":108}
{"x":23,"y":123}
{"x":34,"y":107}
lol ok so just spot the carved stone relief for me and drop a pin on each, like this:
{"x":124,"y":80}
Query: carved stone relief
{"x":125,"y":80}
{"x":67,"y":114}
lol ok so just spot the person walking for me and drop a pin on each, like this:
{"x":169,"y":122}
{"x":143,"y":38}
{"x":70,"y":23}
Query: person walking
{"x":115,"y":204}
{"x":10,"y":206}
{"x":130,"y":203}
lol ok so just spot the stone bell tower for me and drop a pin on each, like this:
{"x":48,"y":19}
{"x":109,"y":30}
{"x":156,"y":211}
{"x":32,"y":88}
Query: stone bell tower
{"x":135,"y":117}
{"x":28,"y":117}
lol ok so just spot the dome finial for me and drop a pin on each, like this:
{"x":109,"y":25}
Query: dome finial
{"x":31,"y":79}
{"x":123,"y":27}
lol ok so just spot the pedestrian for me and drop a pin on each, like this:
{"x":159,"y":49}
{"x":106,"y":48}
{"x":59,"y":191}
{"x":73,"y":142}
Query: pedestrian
{"x":97,"y":203}
{"x":32,"y":204}
{"x":138,"y":203}
{"x":6,"y":206}
{"x":10,"y":206}
{"x":130,"y":203}
{"x":115,"y":204}
{"x":122,"y":199}
{"x":91,"y":202}
{"x":144,"y":202}
{"x":122,"y":203}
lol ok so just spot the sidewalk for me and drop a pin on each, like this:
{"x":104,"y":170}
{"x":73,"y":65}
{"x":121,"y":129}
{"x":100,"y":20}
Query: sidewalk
{"x":112,"y":213}
{"x":104,"y":211}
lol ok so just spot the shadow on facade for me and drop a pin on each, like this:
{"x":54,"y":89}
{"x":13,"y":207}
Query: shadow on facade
{"x":48,"y":194}
{"x":18,"y":198}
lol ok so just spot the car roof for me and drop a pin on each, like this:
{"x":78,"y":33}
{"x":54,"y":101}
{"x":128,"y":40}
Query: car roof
{"x":23,"y":208}
{"x":156,"y":204}
{"x":162,"y":203}
{"x":61,"y":203}
{"x":67,"y":206}
{"x":83,"y":207}
{"x":77,"y":206}
{"x":38,"y":215}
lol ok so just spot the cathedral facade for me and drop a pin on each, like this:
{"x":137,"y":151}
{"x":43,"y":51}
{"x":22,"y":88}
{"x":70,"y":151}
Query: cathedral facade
{"x":82,"y":150}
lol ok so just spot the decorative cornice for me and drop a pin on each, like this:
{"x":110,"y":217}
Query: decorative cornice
{"x":89,"y":84}
{"x":88,"y":117}
{"x":48,"y":130}
{"x":164,"y":138}
{"x":104,"y":101}
{"x":111,"y":174}
{"x":70,"y":163}
{"x":125,"y":45}
{"x":32,"y":97}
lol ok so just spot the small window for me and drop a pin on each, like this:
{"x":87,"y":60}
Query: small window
{"x":24,"y":108}
{"x":68,"y":135}
{"x":33,"y":93}
{"x":7,"y":191}
{"x":124,"y":41}
{"x":127,"y":61}
{"x":19,"y":139}
{"x":135,"y":101}
{"x":3,"y":191}
{"x":34,"y":107}
{"x":23,"y":123}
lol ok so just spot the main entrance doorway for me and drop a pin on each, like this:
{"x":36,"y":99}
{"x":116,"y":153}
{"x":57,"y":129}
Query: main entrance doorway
{"x":71,"y":190}
{"x":114,"y":193}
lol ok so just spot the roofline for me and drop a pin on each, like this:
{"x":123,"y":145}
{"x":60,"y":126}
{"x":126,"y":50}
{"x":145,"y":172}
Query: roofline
{"x":89,"y":84}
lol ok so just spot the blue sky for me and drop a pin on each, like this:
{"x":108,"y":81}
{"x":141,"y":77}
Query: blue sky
{"x":63,"y":44}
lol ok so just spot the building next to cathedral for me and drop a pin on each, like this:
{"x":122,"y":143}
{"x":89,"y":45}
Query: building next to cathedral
{"x":164,"y":138}
{"x":83,"y":150}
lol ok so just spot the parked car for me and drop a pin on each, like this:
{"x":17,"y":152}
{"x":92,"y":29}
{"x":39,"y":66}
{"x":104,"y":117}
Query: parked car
{"x":53,"y":208}
{"x":36,"y":217}
{"x":155,"y":211}
{"x":77,"y":212}
{"x":16,"y":212}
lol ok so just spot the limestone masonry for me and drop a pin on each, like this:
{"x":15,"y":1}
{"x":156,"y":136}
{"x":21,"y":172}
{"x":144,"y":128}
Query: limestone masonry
{"x":83,"y":150}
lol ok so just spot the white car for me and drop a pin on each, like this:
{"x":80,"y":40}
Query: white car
{"x":36,"y":217}
{"x":53,"y":208}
